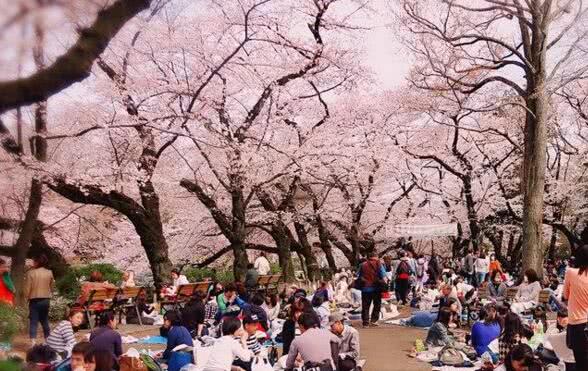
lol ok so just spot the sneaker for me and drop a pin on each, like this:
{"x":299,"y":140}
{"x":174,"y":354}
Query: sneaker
{"x":374,"y":324}
{"x":365,"y":325}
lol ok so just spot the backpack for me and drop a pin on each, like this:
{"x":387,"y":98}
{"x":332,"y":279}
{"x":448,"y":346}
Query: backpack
{"x":403,"y":267}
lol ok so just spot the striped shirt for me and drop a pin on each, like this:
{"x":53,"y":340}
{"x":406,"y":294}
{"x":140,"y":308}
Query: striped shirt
{"x":62,"y":337}
{"x":252,"y":344}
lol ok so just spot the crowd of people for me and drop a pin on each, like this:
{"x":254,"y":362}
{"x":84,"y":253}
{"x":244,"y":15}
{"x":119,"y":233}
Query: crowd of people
{"x":464,"y":304}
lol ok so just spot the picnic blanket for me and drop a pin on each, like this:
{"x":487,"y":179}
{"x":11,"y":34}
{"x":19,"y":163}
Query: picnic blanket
{"x":153,"y":340}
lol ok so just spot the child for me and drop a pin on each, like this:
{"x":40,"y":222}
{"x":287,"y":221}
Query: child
{"x":226,"y":348}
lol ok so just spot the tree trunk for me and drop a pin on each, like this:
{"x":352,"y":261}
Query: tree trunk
{"x":312,"y":267}
{"x":25,"y":237}
{"x":325,"y":244}
{"x":534,"y":179}
{"x":283,"y":244}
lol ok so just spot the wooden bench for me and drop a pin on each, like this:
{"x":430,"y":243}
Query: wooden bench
{"x":98,"y":301}
{"x":185,"y":292}
{"x":127,"y":298}
{"x":511,"y":293}
{"x":544,"y":296}
{"x":268,"y":282}
{"x":483,"y":293}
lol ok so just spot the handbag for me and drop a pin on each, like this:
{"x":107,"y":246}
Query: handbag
{"x":261,"y":364}
{"x":449,"y":356}
{"x":127,"y":363}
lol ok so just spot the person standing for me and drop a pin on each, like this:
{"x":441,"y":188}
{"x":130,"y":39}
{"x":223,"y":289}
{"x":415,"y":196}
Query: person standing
{"x":482,"y":266}
{"x":38,"y":286}
{"x":6,"y":285}
{"x":468,"y":266}
{"x":576,"y":293}
{"x":371,"y":273}
{"x":403,"y":272}
{"x":262,"y":265}
{"x":251,"y":277}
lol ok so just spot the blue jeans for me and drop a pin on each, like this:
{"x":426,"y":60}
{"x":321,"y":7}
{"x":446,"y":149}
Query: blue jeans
{"x":39,"y":312}
{"x":480,"y":278}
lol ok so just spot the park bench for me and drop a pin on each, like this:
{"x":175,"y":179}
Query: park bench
{"x":544,"y":296}
{"x":511,"y":293}
{"x":99,"y":301}
{"x":127,"y":299}
{"x":483,"y":293}
{"x":268,"y":283}
{"x":184,"y":293}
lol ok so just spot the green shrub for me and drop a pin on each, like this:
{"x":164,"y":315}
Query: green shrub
{"x":11,"y":322}
{"x":59,"y":308}
{"x":194,"y":274}
{"x":68,"y":285}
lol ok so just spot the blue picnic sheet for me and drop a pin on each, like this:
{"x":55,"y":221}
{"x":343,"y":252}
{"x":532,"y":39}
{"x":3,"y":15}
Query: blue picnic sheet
{"x":153,"y":340}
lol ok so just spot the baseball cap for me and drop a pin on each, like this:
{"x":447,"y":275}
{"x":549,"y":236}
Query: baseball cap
{"x":249,"y":319}
{"x":336,"y":317}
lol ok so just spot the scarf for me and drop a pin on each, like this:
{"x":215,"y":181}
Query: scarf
{"x":8,"y":282}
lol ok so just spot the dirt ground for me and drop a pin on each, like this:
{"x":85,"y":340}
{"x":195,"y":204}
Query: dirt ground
{"x":385,"y":348}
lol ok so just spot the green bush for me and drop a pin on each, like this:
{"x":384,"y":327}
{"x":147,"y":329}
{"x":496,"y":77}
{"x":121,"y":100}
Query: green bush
{"x":59,"y":308}
{"x":194,"y":274}
{"x":11,"y":322}
{"x":68,"y":285}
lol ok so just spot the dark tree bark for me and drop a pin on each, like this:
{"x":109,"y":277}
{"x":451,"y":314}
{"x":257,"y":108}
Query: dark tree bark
{"x":39,"y":245}
{"x":76,"y":64}
{"x":145,"y":218}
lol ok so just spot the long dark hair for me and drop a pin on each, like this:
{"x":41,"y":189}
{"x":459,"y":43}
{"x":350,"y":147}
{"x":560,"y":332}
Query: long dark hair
{"x":513,"y":326}
{"x":581,"y":263}
{"x":444,"y":316}
{"x":105,"y":318}
{"x":522,"y":353}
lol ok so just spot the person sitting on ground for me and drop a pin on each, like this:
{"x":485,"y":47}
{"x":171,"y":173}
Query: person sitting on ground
{"x":314,"y":345}
{"x":486,"y":330}
{"x":272,"y":306}
{"x":300,"y":306}
{"x":528,"y":294}
{"x":450,"y":292}
{"x":40,"y":357}
{"x":555,"y":340}
{"x":513,"y":333}
{"x":250,"y":325}
{"x":322,"y":310}
{"x":251,"y":277}
{"x":193,"y":314}
{"x":227,"y":348}
{"x":497,"y":288}
{"x":438,"y":335}
{"x":255,"y":308}
{"x":104,"y":337}
{"x":61,"y":339}
{"x":176,"y":335}
{"x":348,"y":342}
{"x":100,"y":360}
{"x":227,"y":299}
{"x":520,"y":358}
{"x":79,"y":354}
{"x":323,"y":291}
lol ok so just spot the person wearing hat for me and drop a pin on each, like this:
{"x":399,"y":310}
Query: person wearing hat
{"x":250,"y":325}
{"x":348,"y":342}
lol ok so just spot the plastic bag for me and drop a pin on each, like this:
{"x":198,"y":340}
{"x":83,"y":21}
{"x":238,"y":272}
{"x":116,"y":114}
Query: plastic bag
{"x":261,"y":364}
